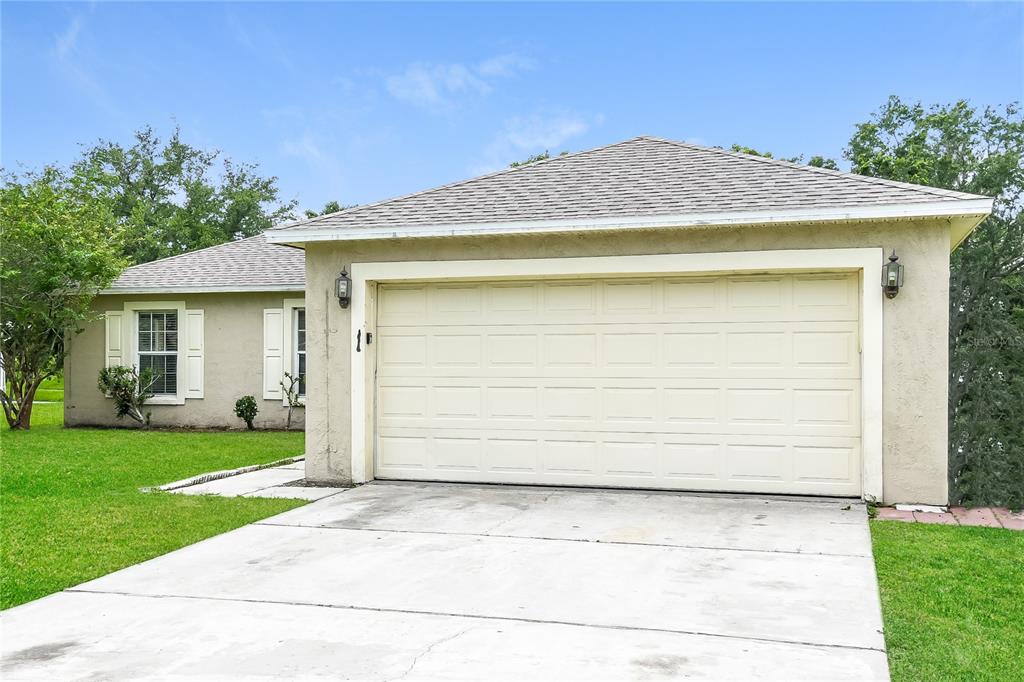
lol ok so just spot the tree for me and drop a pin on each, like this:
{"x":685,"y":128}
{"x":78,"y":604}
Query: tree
{"x":330,"y":207}
{"x":961,"y":148}
{"x":291,"y":385}
{"x":543,"y":156}
{"x":60,"y":244}
{"x":816,"y":161}
{"x":168,"y":201}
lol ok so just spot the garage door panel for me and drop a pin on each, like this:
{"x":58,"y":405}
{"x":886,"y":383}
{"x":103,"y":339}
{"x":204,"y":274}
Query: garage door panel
{"x":456,"y":403}
{"x":399,"y":402}
{"x":823,"y":295}
{"x":805,"y":407}
{"x":630,"y":297}
{"x":402,"y":351}
{"x":572,"y":349}
{"x":507,"y":350}
{"x":742,"y":383}
{"x":756,"y":463}
{"x":630,"y":458}
{"x":786,"y":298}
{"x":692,"y":462}
{"x":454,"y":301}
{"x":631,"y":404}
{"x":512,"y":403}
{"x":456,"y":454}
{"x":575,"y":299}
{"x":403,"y":453}
{"x":569,"y":407}
{"x":457,"y":352}
{"x":781,"y":350}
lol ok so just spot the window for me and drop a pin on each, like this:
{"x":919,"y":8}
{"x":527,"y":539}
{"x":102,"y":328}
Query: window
{"x":299,"y":362}
{"x":158,"y":349}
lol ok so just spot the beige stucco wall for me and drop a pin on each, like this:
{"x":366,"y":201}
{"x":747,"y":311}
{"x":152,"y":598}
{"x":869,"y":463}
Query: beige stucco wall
{"x":915,"y":328}
{"x":233,"y":365}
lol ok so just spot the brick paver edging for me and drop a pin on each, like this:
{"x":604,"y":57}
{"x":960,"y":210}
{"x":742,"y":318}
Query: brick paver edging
{"x":989,"y":517}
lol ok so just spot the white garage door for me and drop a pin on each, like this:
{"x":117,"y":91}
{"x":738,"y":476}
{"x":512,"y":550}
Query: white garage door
{"x":738,"y":383}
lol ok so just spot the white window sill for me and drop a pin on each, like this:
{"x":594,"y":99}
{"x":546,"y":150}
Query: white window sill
{"x":164,"y":400}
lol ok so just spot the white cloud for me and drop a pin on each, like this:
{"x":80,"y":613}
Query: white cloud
{"x":536,"y":132}
{"x":303,"y":147}
{"x":524,"y":136}
{"x":504,"y":65}
{"x":68,"y":40}
{"x":322,"y":162}
{"x":73,"y":63}
{"x":432,"y":85}
{"x":436,"y":86}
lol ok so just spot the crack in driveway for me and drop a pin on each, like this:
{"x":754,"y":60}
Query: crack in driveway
{"x":428,"y":649}
{"x":513,"y":619}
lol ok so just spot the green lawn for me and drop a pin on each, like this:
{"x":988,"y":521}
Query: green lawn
{"x":72,"y":511}
{"x":51,"y":390}
{"x":952,"y":601}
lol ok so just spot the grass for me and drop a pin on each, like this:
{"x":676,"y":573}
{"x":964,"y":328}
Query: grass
{"x":51,"y":390}
{"x":72,"y":510}
{"x":952,"y":601}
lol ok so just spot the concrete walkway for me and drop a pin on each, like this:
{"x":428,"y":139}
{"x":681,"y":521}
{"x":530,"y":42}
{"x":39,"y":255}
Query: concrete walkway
{"x":282,"y":481}
{"x":432,"y":581}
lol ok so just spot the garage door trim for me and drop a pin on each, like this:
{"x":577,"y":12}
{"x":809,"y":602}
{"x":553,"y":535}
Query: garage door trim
{"x":868,"y":261}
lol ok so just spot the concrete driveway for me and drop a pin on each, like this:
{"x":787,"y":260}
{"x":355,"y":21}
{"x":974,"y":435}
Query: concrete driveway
{"x":433,"y":581}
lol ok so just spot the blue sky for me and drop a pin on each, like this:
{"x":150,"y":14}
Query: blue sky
{"x":361,"y":102}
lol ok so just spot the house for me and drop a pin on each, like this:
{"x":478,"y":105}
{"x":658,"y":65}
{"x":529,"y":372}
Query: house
{"x":648,"y":314}
{"x":213,"y":324}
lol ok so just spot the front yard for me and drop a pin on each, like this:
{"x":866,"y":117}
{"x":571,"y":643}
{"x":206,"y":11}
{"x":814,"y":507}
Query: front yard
{"x":72,"y":510}
{"x":952,"y":601}
{"x":952,"y":597}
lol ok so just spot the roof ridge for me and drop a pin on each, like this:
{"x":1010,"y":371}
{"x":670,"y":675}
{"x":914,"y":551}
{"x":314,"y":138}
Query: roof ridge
{"x":938,"y":191}
{"x":503,"y":171}
{"x":190,"y":253}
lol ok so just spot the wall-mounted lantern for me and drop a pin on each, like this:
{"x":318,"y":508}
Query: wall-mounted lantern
{"x":892,"y":276}
{"x":343,"y":288}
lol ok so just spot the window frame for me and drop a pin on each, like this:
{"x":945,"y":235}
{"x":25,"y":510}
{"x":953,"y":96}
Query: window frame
{"x":289,"y":349}
{"x":296,"y":352}
{"x":152,"y":352}
{"x":132,"y":309}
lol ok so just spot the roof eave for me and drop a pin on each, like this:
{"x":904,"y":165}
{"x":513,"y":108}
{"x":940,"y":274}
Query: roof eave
{"x":975,"y":210}
{"x":197,"y":289}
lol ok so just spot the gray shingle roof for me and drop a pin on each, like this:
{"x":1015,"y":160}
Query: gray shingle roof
{"x":644,"y":176}
{"x":247,"y":264}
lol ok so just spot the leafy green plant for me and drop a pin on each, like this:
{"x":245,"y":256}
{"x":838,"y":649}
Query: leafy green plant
{"x":246,"y":409}
{"x":960,"y":147}
{"x":60,"y":244}
{"x":171,"y":196}
{"x":130,"y":390}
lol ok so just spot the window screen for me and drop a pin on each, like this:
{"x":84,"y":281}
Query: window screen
{"x":300,"y":348}
{"x":158,"y":349}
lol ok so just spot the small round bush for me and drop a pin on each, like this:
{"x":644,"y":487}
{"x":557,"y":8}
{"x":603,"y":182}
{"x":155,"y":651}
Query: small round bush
{"x":246,"y":409}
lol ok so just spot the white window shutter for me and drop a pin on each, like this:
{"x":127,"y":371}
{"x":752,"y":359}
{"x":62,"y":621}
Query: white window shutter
{"x":194,"y":353}
{"x":114,"y":332}
{"x":273,"y":353}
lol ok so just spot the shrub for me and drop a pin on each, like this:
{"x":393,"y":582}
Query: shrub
{"x":129,"y":389}
{"x":246,"y":409}
{"x":291,"y":394}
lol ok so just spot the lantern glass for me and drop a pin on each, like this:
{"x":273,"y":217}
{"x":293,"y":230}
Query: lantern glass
{"x":892,"y":276}
{"x":343,"y":289}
